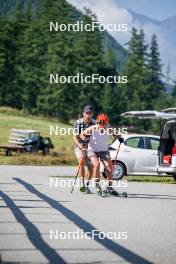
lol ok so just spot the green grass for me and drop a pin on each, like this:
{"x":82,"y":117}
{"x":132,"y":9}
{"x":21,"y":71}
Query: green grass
{"x":62,"y":153}
{"x":160,"y":179}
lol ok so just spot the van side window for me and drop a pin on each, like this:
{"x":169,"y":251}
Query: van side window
{"x":135,"y":142}
{"x":152,"y":143}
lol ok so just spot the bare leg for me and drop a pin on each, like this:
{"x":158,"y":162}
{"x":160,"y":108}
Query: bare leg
{"x":108,"y":167}
{"x":96,"y":173}
{"x":89,"y":171}
{"x":96,"y":168}
{"x":82,"y":170}
{"x":82,"y":173}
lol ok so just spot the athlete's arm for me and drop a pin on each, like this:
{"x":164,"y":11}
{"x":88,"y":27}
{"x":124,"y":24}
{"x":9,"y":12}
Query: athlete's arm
{"x":76,"y":132}
{"x":114,"y":134}
{"x":87,"y":132}
{"x":76,"y":141}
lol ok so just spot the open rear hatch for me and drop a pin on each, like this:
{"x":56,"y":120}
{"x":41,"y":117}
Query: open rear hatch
{"x":167,"y":153}
{"x":151,"y":114}
{"x":170,"y":110}
{"x":167,"y":148}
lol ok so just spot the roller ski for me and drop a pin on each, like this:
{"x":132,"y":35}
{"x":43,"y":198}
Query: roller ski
{"x":111,"y":192}
{"x":100,"y":192}
{"x":123,"y":194}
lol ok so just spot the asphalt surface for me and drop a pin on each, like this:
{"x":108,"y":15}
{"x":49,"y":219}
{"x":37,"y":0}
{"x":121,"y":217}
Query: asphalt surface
{"x":39,"y":221}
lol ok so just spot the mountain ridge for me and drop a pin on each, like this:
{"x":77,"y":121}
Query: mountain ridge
{"x":165,"y":30}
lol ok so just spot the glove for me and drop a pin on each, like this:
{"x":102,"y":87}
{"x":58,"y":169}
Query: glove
{"x":121,"y":140}
{"x":84,"y":149}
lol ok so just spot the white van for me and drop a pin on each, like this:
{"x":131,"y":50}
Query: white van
{"x":167,"y":146}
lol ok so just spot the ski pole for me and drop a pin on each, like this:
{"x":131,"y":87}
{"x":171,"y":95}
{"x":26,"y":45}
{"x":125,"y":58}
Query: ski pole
{"x":79,"y":167}
{"x":113,"y":166}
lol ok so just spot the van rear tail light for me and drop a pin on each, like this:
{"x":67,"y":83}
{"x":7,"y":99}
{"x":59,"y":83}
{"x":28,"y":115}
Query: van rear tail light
{"x":167,"y":159}
{"x":174,"y":151}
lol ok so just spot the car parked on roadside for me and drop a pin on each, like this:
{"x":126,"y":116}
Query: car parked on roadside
{"x":166,"y":162}
{"x":138,"y":155}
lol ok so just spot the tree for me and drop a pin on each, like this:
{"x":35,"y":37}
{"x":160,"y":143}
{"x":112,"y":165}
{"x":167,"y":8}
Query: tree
{"x":58,"y":99}
{"x":88,"y":60}
{"x":156,"y":86}
{"x":135,"y":69}
{"x":110,"y":101}
{"x":5,"y":59}
{"x":174,"y":90}
{"x":10,"y":31}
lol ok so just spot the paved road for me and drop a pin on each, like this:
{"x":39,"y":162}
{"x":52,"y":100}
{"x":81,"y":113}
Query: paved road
{"x":38,"y":170}
{"x":31,"y":210}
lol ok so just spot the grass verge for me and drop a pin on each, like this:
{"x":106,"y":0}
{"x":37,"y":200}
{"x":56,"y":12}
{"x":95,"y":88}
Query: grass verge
{"x":161,"y":179}
{"x":62,"y":153}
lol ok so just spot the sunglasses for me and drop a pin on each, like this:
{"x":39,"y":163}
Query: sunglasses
{"x":101,"y":122}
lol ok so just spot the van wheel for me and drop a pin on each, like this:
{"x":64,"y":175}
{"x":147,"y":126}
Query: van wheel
{"x":119,"y":171}
{"x":174,"y":176}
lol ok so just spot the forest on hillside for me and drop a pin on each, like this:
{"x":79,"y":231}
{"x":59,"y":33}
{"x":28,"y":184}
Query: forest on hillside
{"x":29,"y":52}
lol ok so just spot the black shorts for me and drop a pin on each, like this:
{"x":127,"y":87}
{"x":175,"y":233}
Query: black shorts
{"x":103,"y":155}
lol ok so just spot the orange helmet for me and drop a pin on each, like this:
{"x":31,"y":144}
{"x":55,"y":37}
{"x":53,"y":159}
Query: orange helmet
{"x":102,"y":119}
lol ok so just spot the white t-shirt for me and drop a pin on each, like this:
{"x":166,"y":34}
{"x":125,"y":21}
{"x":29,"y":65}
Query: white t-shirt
{"x":98,"y":141}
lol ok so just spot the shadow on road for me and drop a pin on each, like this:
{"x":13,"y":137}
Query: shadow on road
{"x":119,"y":250}
{"x":151,"y":196}
{"x":32,"y":232}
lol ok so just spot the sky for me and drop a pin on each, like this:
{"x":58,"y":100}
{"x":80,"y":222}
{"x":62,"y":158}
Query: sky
{"x":157,"y":9}
{"x":116,"y":12}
